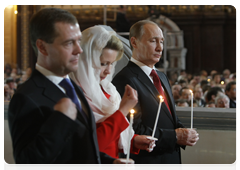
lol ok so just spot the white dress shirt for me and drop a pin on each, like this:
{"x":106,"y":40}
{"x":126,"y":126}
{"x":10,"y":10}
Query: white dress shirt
{"x":147,"y":70}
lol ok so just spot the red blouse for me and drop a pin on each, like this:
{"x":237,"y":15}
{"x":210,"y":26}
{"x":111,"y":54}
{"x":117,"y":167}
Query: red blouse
{"x":108,"y":133}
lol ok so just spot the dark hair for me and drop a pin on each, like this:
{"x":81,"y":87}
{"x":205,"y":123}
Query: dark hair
{"x":137,"y":30}
{"x":206,"y":87}
{"x":42,"y":24}
{"x":196,"y":74}
{"x":9,"y":80}
{"x":229,"y":85}
{"x":204,"y":82}
{"x":215,"y":74}
{"x":213,"y":91}
{"x":182,"y":81}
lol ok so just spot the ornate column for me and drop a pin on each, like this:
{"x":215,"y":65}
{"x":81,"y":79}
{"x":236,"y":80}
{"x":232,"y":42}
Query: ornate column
{"x":24,"y":36}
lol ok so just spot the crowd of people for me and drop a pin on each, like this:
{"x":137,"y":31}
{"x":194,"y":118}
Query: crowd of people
{"x":13,"y":78}
{"x":213,"y":90}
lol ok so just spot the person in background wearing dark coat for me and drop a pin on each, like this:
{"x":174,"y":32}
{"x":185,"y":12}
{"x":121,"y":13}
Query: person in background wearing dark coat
{"x":198,"y":96}
{"x":50,"y":120}
{"x":231,"y":93}
{"x":146,"y":41}
{"x":122,"y":23}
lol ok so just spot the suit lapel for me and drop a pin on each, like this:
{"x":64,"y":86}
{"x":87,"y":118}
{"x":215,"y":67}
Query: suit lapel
{"x":83,"y":99}
{"x":144,"y":79}
{"x":52,"y":92}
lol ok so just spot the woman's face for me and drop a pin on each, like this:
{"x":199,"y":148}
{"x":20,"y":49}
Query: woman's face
{"x":107,"y":58}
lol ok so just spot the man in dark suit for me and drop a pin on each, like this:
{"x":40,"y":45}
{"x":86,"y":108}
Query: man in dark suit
{"x":230,"y":91}
{"x":198,"y":94}
{"x":45,"y":125}
{"x":146,"y":41}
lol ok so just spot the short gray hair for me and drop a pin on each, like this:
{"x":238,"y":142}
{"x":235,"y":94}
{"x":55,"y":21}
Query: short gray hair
{"x":221,"y":95}
{"x":137,"y":30}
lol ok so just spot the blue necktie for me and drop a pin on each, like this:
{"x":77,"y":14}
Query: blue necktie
{"x":71,"y":93}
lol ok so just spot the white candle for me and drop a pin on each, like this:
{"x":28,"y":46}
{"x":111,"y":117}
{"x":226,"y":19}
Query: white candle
{"x":129,"y":137}
{"x":191,"y":109}
{"x":158,"y":113}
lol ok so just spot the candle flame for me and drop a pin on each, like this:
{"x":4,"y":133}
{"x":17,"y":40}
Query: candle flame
{"x":208,"y":80}
{"x":191,"y":91}
{"x":222,"y":82}
{"x":161,"y":98}
{"x":132,"y":111}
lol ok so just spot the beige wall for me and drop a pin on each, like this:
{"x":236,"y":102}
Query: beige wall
{"x":10,"y":35}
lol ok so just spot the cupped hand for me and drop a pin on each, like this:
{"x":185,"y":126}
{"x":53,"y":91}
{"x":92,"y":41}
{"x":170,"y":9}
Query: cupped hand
{"x":187,"y":136}
{"x":129,"y":100}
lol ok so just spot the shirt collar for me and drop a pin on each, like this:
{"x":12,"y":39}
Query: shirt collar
{"x":147,"y":70}
{"x":50,"y":75}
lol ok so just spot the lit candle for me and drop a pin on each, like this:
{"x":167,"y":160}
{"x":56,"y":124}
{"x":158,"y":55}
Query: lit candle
{"x":158,"y":113}
{"x":191,"y":109}
{"x":129,"y":137}
{"x":222,"y":82}
{"x":208,"y":80}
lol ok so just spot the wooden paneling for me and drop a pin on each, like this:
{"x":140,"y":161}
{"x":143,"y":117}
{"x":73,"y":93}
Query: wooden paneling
{"x":210,"y":37}
{"x":10,"y":48}
{"x":210,"y":40}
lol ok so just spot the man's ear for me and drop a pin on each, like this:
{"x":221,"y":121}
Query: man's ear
{"x":133,"y":41}
{"x":41,"y":46}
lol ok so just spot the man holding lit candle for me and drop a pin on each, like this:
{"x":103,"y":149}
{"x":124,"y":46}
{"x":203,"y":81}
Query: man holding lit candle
{"x":146,"y":40}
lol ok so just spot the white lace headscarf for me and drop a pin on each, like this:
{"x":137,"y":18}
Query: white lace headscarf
{"x":94,"y":39}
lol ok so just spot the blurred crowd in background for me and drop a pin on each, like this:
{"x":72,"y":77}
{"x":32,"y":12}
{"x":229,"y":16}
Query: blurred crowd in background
{"x":209,"y":90}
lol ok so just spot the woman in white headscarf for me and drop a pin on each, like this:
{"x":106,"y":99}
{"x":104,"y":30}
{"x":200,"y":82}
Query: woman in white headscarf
{"x":101,"y":50}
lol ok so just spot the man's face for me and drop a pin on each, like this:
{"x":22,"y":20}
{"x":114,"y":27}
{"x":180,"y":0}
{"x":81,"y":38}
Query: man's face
{"x":63,"y":53}
{"x":232,"y":92}
{"x":149,"y":48}
{"x":175,"y":91}
{"x":217,"y":79}
{"x":6,"y":89}
{"x":223,"y":103}
{"x":197,"y":79}
{"x":11,"y":85}
{"x":198,"y":93}
{"x":186,"y":94}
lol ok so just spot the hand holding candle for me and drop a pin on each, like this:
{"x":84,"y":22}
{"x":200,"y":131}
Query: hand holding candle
{"x":191,"y":109}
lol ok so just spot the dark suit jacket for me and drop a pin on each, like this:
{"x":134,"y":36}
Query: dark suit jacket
{"x":166,"y":150}
{"x":232,"y":104}
{"x":122,"y":24}
{"x":41,"y":135}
